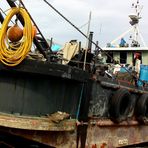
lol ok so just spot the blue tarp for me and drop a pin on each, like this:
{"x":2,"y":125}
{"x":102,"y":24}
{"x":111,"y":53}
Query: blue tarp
{"x":143,"y":74}
{"x":122,"y":42}
{"x":55,"y":47}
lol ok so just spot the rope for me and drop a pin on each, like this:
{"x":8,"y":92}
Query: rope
{"x":8,"y":55}
{"x":80,"y":101}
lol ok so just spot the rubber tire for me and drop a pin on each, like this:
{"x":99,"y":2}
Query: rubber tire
{"x":120,"y":105}
{"x":142,"y":109}
{"x":133,"y":105}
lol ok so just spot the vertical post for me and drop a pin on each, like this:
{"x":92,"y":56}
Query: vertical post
{"x":87,"y":40}
{"x":90,"y":39}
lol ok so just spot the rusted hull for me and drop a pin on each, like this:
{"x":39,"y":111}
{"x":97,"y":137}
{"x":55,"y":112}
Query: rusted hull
{"x":79,"y":99}
{"x":41,"y":129}
{"x":96,"y":133}
{"x":38,"y":88}
{"x":106,"y":134}
{"x":63,"y":139}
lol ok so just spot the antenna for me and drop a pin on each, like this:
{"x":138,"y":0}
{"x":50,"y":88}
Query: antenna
{"x":134,"y":30}
{"x":134,"y":22}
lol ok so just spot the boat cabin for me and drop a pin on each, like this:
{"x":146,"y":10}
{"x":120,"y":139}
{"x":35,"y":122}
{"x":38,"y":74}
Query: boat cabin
{"x":125,"y":55}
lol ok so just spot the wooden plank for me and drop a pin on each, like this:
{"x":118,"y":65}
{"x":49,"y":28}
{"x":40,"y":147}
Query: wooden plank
{"x":36,"y":123}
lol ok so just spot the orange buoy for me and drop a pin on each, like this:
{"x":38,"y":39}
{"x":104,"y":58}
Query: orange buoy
{"x":34,"y":30}
{"x":14,"y":33}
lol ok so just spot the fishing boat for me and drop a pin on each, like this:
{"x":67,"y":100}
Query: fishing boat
{"x":63,"y":101}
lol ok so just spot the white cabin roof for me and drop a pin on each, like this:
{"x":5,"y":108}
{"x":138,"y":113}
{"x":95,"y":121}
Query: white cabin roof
{"x":125,"y":48}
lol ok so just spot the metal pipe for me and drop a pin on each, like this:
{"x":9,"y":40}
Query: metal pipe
{"x":1,"y":18}
{"x":90,"y":43}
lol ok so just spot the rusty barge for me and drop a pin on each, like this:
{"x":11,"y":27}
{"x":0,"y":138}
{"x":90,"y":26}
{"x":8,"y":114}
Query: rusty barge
{"x":47,"y":104}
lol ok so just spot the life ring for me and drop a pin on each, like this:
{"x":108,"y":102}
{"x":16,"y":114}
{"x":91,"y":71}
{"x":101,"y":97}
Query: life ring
{"x":120,"y":105}
{"x":142,"y":109}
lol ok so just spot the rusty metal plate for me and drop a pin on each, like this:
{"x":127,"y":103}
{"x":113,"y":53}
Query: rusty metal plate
{"x":107,"y":134}
{"x":57,"y":139}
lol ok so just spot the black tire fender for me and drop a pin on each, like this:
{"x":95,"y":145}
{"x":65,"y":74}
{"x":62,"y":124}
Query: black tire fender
{"x":133,"y":105}
{"x":141,"y":110}
{"x":120,"y":105}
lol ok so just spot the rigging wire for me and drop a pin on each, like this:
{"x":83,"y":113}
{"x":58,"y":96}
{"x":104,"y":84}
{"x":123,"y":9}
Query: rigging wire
{"x":98,"y":47}
{"x":83,"y":25}
{"x":71,"y":23}
{"x":4,"y":12}
{"x":36,"y":27}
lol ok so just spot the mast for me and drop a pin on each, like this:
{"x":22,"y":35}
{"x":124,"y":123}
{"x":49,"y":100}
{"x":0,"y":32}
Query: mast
{"x":134,"y":31}
{"x":134,"y":22}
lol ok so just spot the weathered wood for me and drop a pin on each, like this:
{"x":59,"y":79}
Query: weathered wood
{"x":36,"y":123}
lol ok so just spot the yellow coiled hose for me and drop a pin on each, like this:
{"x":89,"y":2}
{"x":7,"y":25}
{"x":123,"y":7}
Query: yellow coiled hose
{"x":8,"y":55}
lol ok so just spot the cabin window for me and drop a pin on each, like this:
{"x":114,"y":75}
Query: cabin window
{"x":109,"y":57}
{"x":123,"y":57}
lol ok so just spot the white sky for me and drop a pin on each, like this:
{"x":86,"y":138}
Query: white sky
{"x":109,"y":18}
